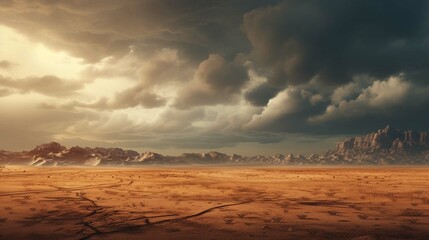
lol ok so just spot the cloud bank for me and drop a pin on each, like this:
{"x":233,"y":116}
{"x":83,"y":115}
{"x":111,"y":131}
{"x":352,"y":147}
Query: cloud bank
{"x":210,"y":74}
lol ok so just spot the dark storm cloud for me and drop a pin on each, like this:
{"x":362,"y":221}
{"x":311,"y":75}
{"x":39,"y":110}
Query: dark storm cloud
{"x":260,"y":95}
{"x":96,"y":29}
{"x":333,"y":40}
{"x":215,"y":81}
{"x":331,"y":66}
{"x":328,"y":44}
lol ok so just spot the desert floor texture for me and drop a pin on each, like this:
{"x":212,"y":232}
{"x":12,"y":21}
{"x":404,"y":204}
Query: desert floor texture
{"x":214,"y":203}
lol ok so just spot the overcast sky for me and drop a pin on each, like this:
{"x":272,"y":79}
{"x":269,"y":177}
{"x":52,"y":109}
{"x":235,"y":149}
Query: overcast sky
{"x":244,"y":76}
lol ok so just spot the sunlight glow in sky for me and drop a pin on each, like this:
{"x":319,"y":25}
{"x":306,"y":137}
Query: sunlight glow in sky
{"x":176,"y":77}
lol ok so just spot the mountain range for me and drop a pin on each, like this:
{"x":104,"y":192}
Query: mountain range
{"x":387,"y":146}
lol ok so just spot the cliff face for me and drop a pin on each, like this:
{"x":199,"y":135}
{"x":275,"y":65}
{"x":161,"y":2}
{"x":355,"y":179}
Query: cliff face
{"x":45,"y":149}
{"x":388,"y":139}
{"x":385,"y":146}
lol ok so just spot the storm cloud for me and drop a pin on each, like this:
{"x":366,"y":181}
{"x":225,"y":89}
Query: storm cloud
{"x":95,"y":29}
{"x":215,"y":81}
{"x":332,"y":41}
{"x":212,"y":74}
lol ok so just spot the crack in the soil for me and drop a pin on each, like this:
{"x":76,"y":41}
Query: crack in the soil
{"x":148,"y":223}
{"x":95,"y":209}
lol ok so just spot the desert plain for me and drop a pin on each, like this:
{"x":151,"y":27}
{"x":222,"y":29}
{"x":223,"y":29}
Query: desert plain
{"x":214,"y":203}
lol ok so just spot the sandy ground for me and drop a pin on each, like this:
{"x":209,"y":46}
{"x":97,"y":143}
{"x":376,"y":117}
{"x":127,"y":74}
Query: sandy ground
{"x":214,"y":203}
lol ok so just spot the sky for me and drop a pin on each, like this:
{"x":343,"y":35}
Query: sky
{"x":243,"y":76}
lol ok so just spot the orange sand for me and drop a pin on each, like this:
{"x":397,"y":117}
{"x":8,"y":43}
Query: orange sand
{"x":214,"y":203}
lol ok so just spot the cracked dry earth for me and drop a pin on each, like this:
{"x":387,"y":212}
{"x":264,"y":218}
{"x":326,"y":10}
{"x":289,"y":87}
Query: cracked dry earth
{"x":214,"y":203}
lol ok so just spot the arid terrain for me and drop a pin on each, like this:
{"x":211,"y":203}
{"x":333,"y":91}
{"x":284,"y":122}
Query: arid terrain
{"x":214,"y":203}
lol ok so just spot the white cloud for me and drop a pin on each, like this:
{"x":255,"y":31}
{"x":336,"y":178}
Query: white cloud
{"x":380,"y":96}
{"x":286,"y":102}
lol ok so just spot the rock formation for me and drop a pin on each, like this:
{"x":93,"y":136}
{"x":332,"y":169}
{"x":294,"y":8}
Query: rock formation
{"x":387,"y":139}
{"x":385,"y":146}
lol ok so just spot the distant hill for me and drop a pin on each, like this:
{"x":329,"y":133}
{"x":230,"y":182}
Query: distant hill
{"x":387,"y":146}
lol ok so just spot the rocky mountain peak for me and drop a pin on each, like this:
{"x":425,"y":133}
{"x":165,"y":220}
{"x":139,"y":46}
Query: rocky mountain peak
{"x":386,"y":139}
{"x":44,"y":149}
{"x":388,"y":145}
